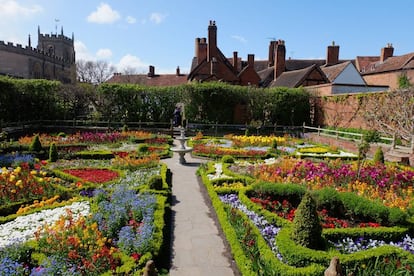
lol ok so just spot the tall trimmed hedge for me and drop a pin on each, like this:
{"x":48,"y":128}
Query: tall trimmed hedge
{"x":213,"y":102}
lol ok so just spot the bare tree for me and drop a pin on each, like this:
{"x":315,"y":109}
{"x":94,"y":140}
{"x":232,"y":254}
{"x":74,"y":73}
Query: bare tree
{"x":95,"y":72}
{"x":392,"y":112}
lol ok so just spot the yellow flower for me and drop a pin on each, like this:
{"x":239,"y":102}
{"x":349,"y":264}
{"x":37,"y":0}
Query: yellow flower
{"x":17,"y":170}
{"x":19,"y":183}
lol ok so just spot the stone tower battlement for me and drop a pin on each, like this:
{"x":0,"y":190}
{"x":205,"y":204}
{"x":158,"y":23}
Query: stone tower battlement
{"x":53,"y":58}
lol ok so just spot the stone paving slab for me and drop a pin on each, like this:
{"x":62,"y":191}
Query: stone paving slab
{"x":198,"y":247}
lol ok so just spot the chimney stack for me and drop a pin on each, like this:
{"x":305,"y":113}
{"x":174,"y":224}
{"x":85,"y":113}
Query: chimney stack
{"x":200,"y":49}
{"x":280,"y":58}
{"x":212,"y":40}
{"x":386,"y":52}
{"x":235,"y":62}
{"x":151,"y":71}
{"x":177,"y":71}
{"x":272,"y":53}
{"x":250,"y":60}
{"x":332,"y":55}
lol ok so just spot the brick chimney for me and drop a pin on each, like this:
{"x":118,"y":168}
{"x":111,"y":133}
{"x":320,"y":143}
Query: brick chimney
{"x":200,"y":49}
{"x":151,"y":71}
{"x":250,"y":60}
{"x":212,"y":40}
{"x":280,"y":58}
{"x":386,"y":52}
{"x":177,"y":71}
{"x":332,"y":54}
{"x":235,"y":62}
{"x":272,"y":53}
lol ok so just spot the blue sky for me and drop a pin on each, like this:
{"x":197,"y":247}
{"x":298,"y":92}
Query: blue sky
{"x":135,"y":34}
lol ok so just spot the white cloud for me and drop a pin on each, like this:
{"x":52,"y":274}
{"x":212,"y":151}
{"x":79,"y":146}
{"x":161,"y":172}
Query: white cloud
{"x":130,"y":19}
{"x":157,"y":18}
{"x":12,"y":9}
{"x":104,"y":14}
{"x":239,"y":38}
{"x":132,"y":62}
{"x":82,"y":52}
{"x":104,"y":54}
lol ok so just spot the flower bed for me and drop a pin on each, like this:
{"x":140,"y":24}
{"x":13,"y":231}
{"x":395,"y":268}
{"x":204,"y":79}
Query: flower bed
{"x":260,"y":147}
{"x":380,"y":244}
{"x":119,"y":228}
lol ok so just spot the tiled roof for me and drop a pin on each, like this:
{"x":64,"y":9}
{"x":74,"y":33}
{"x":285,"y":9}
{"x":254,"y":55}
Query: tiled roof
{"x":156,"y":80}
{"x":333,"y":71}
{"x":293,"y":78}
{"x":390,"y":64}
{"x":362,"y":62}
{"x":266,"y":76}
{"x":296,"y":64}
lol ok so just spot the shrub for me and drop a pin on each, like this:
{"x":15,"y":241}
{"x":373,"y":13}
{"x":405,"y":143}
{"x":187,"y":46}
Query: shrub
{"x":53,"y":153}
{"x":379,"y":156}
{"x":227,"y":159}
{"x":307,"y":229}
{"x":329,"y":199}
{"x":364,"y":209}
{"x":274,"y":144}
{"x":279,"y":191}
{"x":143,"y":148}
{"x":155,"y":182}
{"x":35,"y":146}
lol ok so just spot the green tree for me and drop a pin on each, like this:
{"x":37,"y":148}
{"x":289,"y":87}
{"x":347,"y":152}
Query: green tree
{"x":307,"y":229}
{"x":35,"y":146}
{"x":53,"y":152}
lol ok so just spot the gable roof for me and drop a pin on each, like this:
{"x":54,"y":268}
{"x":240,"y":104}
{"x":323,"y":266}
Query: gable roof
{"x":333,"y":71}
{"x":196,"y":70}
{"x":156,"y":80}
{"x":297,"y":77}
{"x":390,"y":64}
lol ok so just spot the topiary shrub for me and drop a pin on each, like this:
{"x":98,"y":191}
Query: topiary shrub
{"x":307,"y":229}
{"x":274,"y":145}
{"x":227,"y":159}
{"x":53,"y":152}
{"x":155,"y":182}
{"x":379,"y":156}
{"x":143,"y":148}
{"x":35,"y":146}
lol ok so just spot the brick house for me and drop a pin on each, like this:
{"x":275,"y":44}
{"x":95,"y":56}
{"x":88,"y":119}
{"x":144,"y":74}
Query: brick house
{"x":386,"y":69}
{"x":210,"y":64}
{"x":324,"y":76}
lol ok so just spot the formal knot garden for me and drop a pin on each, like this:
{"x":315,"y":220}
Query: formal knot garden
{"x":83,"y":204}
{"x":289,"y":207}
{"x":92,"y":203}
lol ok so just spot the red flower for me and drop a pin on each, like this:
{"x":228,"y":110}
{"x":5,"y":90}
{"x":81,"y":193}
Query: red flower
{"x":93,"y":175}
{"x":136,"y":256}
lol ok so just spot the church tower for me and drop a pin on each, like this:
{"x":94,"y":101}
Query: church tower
{"x":57,"y":45}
